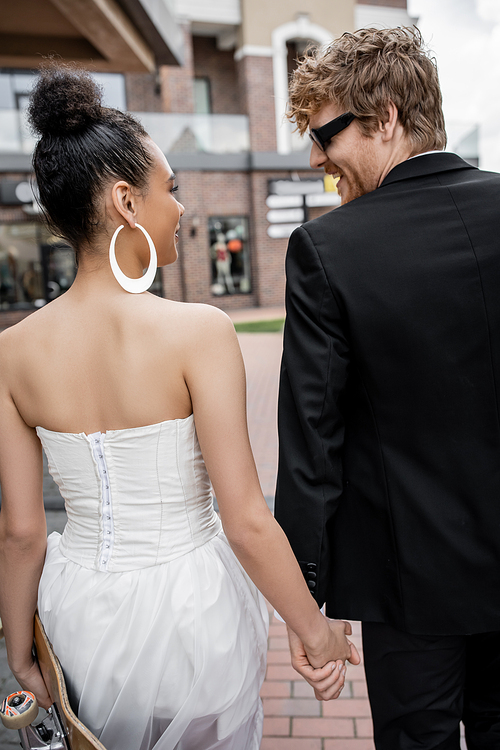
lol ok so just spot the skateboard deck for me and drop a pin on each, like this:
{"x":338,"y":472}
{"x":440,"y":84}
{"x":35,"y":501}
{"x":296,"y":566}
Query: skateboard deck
{"x":61,"y":725}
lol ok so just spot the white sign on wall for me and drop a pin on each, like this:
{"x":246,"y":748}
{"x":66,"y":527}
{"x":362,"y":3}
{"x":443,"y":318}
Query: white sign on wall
{"x":285,"y":215}
{"x":284,"y":201}
{"x":296,"y":187}
{"x":289,"y":200}
{"x":323,"y":199}
{"x":279,"y":231}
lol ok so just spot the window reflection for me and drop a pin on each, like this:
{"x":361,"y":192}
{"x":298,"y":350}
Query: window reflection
{"x":15,"y":87}
{"x":229,"y":255}
{"x":35,"y":266}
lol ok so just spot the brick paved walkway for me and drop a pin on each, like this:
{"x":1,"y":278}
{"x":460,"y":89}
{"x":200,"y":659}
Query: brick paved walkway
{"x":294,"y":719}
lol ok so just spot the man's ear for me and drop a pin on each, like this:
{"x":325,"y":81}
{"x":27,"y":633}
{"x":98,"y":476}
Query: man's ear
{"x":388,"y":126}
{"x":124,"y":202}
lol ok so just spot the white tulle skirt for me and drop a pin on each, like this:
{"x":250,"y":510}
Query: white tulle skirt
{"x":165,"y":657}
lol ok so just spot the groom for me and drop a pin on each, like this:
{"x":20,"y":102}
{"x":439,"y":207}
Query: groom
{"x":389,"y":470}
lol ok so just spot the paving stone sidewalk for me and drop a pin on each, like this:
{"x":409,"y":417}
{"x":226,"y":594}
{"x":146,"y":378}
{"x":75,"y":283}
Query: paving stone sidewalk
{"x":294,"y":719}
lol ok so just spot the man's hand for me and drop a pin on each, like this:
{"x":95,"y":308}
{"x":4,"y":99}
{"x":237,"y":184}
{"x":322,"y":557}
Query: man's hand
{"x":331,"y":644}
{"x":326,"y":679}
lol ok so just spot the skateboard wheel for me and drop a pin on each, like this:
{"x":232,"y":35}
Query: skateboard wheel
{"x":19,"y":709}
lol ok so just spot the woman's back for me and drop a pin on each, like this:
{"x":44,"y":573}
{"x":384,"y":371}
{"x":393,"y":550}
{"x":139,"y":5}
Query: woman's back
{"x":82,"y":365}
{"x":134,"y":497}
{"x":142,"y":598}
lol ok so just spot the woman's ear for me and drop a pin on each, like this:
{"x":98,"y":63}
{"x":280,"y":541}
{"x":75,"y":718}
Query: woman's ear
{"x":124,"y":202}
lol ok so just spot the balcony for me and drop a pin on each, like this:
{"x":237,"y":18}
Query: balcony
{"x":15,"y":137}
{"x":174,"y":133}
{"x":194,"y":133}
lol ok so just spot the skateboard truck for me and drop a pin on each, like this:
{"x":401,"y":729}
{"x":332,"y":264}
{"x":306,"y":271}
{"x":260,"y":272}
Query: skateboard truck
{"x":19,"y":709}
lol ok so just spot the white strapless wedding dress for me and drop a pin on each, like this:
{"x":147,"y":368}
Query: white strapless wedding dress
{"x":161,"y":634}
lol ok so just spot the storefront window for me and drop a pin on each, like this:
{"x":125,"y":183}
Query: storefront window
{"x":36,"y":267}
{"x":23,"y":283}
{"x":15,"y":87}
{"x":58,"y":265}
{"x":229,"y":255}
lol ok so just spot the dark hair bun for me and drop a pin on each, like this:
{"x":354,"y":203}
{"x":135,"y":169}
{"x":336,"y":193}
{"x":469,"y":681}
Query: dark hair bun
{"x":64,"y":100}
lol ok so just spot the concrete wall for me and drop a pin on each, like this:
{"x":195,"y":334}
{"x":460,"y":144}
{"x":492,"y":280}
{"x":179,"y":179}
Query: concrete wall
{"x":261,"y":17}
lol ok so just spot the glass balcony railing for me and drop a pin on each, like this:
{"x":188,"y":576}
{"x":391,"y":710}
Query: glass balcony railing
{"x":193,"y":133}
{"x":298,"y":142}
{"x":14,"y":133}
{"x":174,"y":133}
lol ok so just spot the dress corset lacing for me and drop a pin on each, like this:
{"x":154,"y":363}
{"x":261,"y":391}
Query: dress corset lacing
{"x":117,"y":521}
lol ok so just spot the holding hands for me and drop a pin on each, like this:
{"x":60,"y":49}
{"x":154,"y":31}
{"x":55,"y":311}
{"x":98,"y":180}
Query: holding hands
{"x":322,"y":662}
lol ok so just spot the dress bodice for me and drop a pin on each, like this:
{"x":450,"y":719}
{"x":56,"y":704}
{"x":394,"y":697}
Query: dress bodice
{"x":134,"y":498}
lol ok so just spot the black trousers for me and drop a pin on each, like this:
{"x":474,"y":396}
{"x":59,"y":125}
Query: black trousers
{"x":421,"y":687}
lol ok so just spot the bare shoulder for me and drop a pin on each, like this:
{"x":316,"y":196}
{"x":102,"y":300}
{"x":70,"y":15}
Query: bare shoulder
{"x":199,"y":322}
{"x":207,"y":315}
{"x":6,"y":348}
{"x":14,"y":339}
{"x":10,"y":348}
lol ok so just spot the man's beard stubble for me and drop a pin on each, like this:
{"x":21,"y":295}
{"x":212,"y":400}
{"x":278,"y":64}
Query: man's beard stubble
{"x":355,"y":188}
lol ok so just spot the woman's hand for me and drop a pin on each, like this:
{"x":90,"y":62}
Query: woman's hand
{"x":31,"y":679}
{"x":331,"y":644}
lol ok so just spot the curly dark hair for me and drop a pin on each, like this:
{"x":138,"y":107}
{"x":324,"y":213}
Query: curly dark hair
{"x":82,"y":146}
{"x":365,"y":70}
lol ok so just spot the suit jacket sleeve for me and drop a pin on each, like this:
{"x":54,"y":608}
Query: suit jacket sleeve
{"x":311,"y":428}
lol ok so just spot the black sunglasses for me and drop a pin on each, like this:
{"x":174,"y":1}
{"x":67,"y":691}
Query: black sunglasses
{"x":323,"y":135}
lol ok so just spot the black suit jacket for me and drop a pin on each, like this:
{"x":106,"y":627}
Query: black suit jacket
{"x":389,"y":466}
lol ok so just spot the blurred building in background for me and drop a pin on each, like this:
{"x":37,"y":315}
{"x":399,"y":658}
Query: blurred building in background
{"x":209,"y":81}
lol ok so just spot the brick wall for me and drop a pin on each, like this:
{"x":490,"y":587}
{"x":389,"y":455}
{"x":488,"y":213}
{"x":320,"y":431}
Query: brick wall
{"x":255,"y":82}
{"x":10,"y":318}
{"x":220,"y":68}
{"x":386,"y":3}
{"x":177,"y":81}
{"x":206,"y":194}
{"x":143,"y":92}
{"x":15,"y":214}
{"x":172,"y":280}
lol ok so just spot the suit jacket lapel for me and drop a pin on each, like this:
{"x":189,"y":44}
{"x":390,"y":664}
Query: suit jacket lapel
{"x":425,"y":165}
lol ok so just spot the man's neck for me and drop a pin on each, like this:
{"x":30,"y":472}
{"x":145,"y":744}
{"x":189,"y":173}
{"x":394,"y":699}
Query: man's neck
{"x":402,"y":152}
{"x":426,"y":153}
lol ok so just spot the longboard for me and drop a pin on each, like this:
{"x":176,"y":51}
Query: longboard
{"x":61,"y":729}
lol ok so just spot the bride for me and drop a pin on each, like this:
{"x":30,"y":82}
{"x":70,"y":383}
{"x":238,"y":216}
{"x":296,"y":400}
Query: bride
{"x":151,"y":602}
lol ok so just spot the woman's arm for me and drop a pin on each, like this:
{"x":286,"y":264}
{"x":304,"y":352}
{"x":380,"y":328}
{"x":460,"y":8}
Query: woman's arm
{"x":23,"y":536}
{"x":216,"y":380}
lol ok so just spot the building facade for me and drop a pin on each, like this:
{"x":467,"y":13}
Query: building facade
{"x":209,"y":81}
